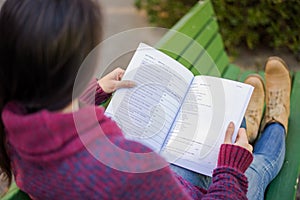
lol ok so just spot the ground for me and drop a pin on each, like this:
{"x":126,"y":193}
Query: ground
{"x":255,"y":59}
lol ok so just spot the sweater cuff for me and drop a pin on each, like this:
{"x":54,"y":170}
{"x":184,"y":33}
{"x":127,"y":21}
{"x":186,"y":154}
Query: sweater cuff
{"x":94,"y":94}
{"x":235,"y":157}
{"x":101,"y":96}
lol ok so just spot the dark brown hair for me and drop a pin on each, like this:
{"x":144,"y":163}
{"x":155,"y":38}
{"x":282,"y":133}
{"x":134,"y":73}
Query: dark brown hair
{"x":42,"y":45}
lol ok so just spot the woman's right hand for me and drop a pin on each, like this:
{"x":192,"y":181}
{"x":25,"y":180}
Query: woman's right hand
{"x":241,"y":139}
{"x":113,"y":81}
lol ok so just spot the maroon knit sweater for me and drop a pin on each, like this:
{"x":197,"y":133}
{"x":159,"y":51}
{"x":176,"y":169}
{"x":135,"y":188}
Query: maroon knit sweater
{"x":83,"y":155}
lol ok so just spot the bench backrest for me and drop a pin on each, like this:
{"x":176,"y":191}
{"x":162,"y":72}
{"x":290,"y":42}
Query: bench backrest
{"x":195,"y":41}
{"x":199,"y":28}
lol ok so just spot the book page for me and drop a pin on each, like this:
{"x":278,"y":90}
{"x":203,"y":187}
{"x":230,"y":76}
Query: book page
{"x":200,"y":126}
{"x":146,"y":112}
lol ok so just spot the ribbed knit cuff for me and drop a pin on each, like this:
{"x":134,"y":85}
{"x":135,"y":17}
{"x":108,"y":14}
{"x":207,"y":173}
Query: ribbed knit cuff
{"x":94,"y":94}
{"x":101,"y":96}
{"x":235,"y":157}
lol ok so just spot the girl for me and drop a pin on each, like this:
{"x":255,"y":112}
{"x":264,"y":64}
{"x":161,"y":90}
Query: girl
{"x":42,"y":45}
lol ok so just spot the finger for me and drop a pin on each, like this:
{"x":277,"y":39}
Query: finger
{"x":242,"y":140}
{"x":119,"y":69}
{"x":119,"y":73}
{"x":125,"y":84}
{"x":246,"y":146}
{"x":249,"y":147}
{"x":242,"y":136}
{"x":229,"y":133}
{"x":239,"y":133}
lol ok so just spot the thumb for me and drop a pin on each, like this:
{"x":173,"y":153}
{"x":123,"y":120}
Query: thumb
{"x":125,"y":84}
{"x":229,"y":133}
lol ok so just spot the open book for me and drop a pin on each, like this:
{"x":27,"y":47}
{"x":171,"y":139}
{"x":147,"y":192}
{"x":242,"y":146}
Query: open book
{"x":182,"y":117}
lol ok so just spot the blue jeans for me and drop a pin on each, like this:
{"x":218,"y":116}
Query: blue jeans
{"x":268,"y":153}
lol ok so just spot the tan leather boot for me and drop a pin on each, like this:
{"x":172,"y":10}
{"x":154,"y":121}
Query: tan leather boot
{"x":278,"y":90}
{"x":255,"y":107}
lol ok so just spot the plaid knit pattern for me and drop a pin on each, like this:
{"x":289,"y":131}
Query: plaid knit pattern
{"x":52,"y":158}
{"x":94,"y":94}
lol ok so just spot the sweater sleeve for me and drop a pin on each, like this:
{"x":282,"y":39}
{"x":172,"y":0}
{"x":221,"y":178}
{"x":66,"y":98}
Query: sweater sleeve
{"x":229,"y":181}
{"x":94,"y":94}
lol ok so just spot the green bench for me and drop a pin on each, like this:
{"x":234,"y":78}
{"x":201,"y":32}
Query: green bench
{"x":201,"y":27}
{"x":15,"y":194}
{"x":195,"y":41}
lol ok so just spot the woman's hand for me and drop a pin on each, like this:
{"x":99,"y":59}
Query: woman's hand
{"x":112,"y":81}
{"x":241,"y":139}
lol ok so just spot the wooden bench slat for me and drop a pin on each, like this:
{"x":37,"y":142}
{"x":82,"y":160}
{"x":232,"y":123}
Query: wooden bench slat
{"x":202,"y":41}
{"x":203,"y":65}
{"x":213,"y":69}
{"x":15,"y":193}
{"x":215,"y":47}
{"x":183,"y":33}
{"x":220,"y":65}
{"x":208,"y":31}
{"x":175,"y":49}
{"x":196,"y":48}
{"x":191,"y":54}
{"x":195,"y":19}
{"x":195,"y":71}
{"x":190,"y":24}
{"x":244,"y":75}
{"x":284,"y":186}
{"x":206,"y":61}
{"x":232,"y":72}
{"x":201,"y":26}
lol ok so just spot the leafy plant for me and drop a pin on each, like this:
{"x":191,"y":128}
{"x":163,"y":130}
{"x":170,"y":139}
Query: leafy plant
{"x":268,"y":22}
{"x":165,"y":13}
{"x":274,"y":23}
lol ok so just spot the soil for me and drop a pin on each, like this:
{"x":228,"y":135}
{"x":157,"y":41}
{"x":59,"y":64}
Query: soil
{"x":255,"y":59}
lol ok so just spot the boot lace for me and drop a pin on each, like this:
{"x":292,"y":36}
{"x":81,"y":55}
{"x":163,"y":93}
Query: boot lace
{"x":252,"y":115}
{"x":275,"y":104}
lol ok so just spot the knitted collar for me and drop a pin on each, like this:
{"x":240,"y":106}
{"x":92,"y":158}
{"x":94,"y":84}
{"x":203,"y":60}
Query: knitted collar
{"x":47,"y":136}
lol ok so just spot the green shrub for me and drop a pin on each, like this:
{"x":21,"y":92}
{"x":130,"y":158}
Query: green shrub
{"x":165,"y":13}
{"x":274,"y":23}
